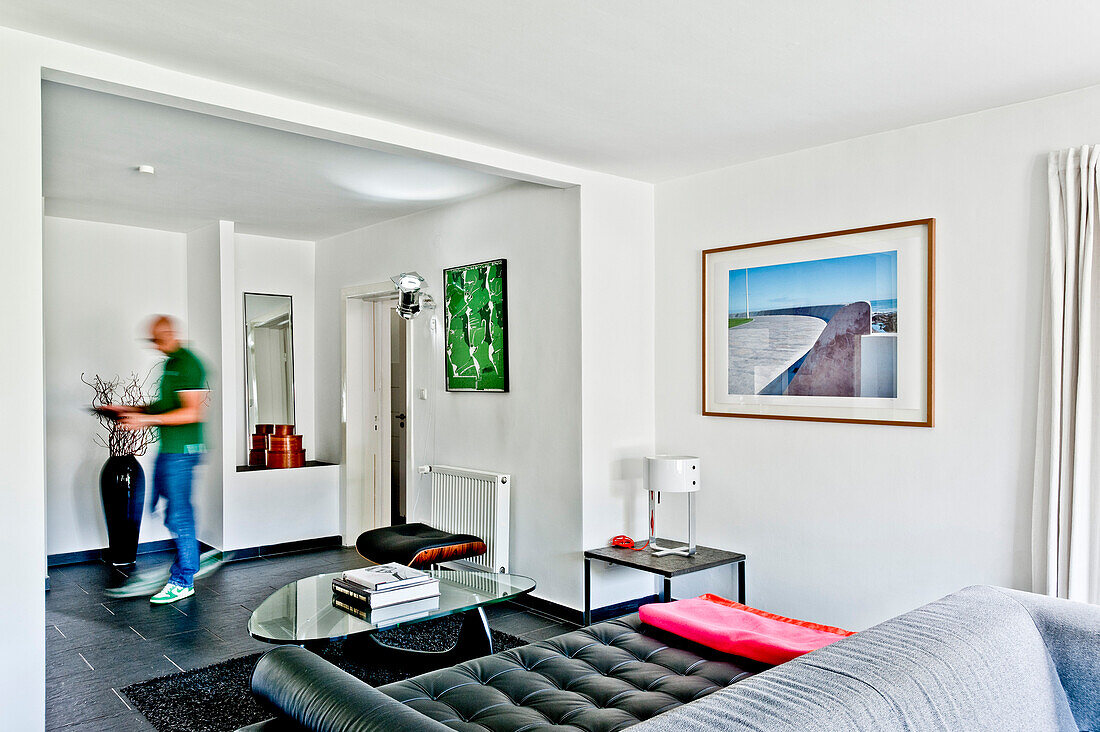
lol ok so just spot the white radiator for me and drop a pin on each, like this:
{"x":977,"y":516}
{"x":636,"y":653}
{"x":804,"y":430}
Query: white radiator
{"x":474,"y":502}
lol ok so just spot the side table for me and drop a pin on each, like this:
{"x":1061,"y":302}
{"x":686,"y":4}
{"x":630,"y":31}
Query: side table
{"x":667,"y":567}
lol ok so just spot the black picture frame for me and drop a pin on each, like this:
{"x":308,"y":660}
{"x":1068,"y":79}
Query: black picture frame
{"x":500,"y":383}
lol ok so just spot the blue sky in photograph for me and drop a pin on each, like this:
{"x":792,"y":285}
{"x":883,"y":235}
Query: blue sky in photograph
{"x":836,"y":281}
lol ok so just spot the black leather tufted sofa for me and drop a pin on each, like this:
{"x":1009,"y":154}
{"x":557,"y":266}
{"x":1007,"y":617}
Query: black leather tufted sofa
{"x":598,"y":679}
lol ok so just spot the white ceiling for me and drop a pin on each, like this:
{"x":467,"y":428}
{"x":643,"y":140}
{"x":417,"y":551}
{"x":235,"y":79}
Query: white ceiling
{"x":651,"y":89}
{"x":208,"y":168}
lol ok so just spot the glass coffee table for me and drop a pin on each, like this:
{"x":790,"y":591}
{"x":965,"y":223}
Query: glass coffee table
{"x":302,"y":613}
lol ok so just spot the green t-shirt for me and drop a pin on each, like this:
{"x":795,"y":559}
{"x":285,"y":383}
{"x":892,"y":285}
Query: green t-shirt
{"x":183,"y":371}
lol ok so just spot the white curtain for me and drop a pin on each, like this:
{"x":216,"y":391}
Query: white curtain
{"x":1066,"y":535}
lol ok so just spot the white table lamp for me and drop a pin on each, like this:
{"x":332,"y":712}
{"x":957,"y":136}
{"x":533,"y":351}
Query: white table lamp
{"x":672,"y":474}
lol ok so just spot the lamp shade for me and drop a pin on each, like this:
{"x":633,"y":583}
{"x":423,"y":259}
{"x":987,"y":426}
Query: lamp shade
{"x":672,"y":473}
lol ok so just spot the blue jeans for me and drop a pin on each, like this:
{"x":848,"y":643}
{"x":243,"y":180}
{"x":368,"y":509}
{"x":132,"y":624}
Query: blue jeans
{"x":172,"y":477}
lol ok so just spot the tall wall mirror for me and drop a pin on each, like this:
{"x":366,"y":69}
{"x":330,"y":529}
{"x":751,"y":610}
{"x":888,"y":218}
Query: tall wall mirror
{"x":269,"y":359}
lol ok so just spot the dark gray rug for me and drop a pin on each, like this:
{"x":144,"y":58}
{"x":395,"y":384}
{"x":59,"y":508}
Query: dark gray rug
{"x":218,"y":698}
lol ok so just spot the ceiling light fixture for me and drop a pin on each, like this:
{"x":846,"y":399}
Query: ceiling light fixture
{"x":148,"y":169}
{"x":411,"y":300}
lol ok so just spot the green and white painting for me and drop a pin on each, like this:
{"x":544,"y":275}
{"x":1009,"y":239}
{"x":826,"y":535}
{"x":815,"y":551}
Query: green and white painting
{"x":476,"y":326}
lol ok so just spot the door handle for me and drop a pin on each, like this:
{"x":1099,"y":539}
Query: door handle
{"x":399,"y":416}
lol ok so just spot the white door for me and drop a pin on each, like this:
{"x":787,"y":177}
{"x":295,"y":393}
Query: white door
{"x":366,"y":433}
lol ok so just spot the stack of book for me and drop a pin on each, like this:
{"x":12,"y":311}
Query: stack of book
{"x":385,"y":592}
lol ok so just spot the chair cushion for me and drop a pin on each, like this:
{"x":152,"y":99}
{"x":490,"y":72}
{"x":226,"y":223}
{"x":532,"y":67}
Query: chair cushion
{"x":597,"y":679}
{"x":416,"y":545}
{"x":739,"y":629}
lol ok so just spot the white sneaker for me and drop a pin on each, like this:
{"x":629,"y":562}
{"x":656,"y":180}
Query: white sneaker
{"x":171,"y":593}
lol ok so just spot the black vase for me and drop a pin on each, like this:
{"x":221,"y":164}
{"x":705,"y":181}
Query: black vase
{"x":122,"y":487}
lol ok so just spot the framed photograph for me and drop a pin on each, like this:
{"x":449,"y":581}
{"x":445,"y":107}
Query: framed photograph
{"x":476,"y":331}
{"x":833,"y":327}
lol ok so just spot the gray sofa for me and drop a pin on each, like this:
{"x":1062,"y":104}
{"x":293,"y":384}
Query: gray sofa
{"x":984,"y":658}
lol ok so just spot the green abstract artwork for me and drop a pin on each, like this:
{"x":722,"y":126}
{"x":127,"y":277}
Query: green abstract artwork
{"x":475,"y":310}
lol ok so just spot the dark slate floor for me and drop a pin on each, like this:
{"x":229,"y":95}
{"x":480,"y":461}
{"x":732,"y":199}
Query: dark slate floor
{"x":95,"y":645}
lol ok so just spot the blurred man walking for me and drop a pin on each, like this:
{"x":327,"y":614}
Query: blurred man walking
{"x":177,"y":414}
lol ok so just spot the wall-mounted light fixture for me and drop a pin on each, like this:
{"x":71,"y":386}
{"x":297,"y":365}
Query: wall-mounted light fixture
{"x":411,"y":299}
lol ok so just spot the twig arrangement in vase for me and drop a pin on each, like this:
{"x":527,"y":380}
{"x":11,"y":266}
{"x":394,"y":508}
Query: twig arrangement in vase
{"x":129,"y":392}
{"x":122,"y":480}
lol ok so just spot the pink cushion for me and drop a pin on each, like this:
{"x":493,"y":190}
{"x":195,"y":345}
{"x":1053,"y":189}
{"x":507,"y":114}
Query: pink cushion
{"x":733,"y":628}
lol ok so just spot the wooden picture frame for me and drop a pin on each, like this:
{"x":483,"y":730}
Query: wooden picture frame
{"x":830,"y":327}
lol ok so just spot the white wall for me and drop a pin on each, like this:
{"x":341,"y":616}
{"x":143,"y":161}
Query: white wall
{"x":267,"y":507}
{"x":102,"y":281}
{"x":22,"y":434}
{"x":263,"y":508}
{"x":617,"y":330}
{"x":274,"y":266}
{"x":851,"y":524}
{"x":206,"y":270}
{"x":533,"y":431}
